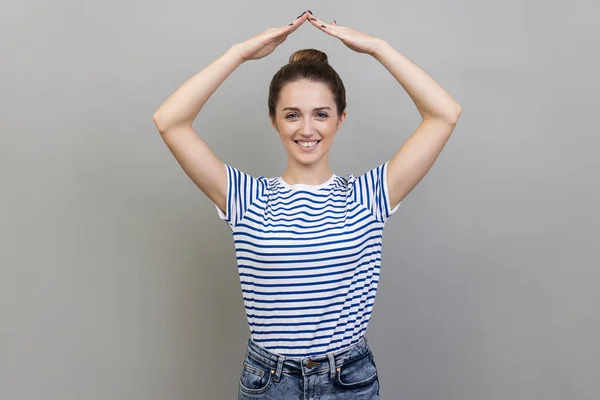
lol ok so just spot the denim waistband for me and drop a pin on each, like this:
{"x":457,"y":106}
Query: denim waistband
{"x":308,"y":365}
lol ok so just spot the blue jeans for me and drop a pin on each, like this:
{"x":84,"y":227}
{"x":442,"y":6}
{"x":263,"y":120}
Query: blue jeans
{"x":349,"y":373}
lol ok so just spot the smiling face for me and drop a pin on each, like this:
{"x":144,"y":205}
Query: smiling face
{"x":306,"y":112}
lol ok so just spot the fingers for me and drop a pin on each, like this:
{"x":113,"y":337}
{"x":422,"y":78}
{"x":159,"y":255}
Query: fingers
{"x":280,"y":34}
{"x":330,"y":28}
{"x":295,"y":24}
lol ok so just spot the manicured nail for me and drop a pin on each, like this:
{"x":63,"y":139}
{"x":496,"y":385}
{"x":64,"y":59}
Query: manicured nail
{"x":313,"y":19}
{"x":335,"y":21}
{"x":323,"y":26}
{"x":291,"y":24}
{"x":310,"y":12}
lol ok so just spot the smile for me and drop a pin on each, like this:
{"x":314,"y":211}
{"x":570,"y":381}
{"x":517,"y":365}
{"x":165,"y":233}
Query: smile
{"x":307,"y":146}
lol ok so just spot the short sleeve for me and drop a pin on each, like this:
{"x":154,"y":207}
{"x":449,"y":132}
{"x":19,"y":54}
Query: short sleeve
{"x":371,"y":190}
{"x":242,"y":191}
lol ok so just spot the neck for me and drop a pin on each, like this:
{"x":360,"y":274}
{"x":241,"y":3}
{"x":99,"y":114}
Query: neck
{"x":313,"y":174}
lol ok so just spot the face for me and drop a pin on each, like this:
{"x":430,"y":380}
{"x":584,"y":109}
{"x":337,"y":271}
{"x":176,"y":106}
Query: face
{"x":307,"y":112}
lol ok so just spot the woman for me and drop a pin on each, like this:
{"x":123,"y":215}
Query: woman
{"x":308,"y":243}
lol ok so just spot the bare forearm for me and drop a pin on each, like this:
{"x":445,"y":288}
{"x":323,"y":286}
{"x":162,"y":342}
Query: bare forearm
{"x":183,"y":106}
{"x":431,"y":99}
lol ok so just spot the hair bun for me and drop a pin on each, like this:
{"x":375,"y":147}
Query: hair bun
{"x":308,"y":55}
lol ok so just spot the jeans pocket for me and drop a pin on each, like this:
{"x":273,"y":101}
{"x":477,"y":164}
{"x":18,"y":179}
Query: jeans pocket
{"x":255,"y":377}
{"x":357,"y":373}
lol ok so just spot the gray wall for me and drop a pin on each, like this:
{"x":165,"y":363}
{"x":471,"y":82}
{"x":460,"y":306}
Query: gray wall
{"x":118,"y":280}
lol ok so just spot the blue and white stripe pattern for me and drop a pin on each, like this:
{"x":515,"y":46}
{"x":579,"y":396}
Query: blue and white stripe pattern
{"x":308,"y":257}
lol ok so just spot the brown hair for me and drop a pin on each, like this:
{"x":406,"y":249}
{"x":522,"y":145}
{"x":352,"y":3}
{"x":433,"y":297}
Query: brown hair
{"x":308,"y":64}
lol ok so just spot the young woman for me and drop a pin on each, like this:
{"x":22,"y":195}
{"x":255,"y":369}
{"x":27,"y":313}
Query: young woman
{"x":308,"y":242}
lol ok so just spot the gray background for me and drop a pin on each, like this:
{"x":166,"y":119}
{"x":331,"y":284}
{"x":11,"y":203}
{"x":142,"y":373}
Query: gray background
{"x":118,"y":280}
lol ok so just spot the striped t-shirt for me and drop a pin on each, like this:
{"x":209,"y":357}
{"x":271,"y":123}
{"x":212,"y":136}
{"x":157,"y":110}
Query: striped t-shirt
{"x":308,"y":257}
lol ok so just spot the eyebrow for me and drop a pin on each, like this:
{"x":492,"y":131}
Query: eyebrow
{"x":315,"y":109}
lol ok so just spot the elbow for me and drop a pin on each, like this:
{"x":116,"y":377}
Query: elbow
{"x":453,"y":116}
{"x":165,"y":121}
{"x":448,"y":115}
{"x":156,"y":117}
{"x":457,"y":113}
{"x":159,"y":122}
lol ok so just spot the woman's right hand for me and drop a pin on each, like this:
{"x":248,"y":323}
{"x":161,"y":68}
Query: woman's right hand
{"x":264,"y":43}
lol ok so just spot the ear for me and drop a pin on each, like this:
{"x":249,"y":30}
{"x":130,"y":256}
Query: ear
{"x":342,"y":119}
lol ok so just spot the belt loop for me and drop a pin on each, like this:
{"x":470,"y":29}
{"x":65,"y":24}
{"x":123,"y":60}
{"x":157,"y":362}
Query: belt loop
{"x":331,"y":366}
{"x":280,"y":361}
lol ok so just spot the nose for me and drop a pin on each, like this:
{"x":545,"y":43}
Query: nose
{"x":307,"y":127}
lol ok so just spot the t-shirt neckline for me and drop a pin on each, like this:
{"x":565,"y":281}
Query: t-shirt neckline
{"x":305,"y":186}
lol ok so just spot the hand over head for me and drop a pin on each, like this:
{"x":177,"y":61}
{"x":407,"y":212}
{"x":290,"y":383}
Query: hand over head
{"x":263,"y":44}
{"x":353,"y":39}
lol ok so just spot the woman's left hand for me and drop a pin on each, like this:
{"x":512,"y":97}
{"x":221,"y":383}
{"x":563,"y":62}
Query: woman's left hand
{"x":355,"y":40}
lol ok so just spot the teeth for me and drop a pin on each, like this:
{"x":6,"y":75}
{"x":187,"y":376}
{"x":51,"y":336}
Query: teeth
{"x":307,"y":144}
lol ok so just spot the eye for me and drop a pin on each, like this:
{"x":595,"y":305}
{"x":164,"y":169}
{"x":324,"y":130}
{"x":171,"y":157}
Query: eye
{"x":322,"y":115}
{"x":289,"y":115}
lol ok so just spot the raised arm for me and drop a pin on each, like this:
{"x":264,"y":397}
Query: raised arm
{"x":174,"y":122}
{"x":439,"y":110}
{"x":440,"y":114}
{"x":175,"y":116}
